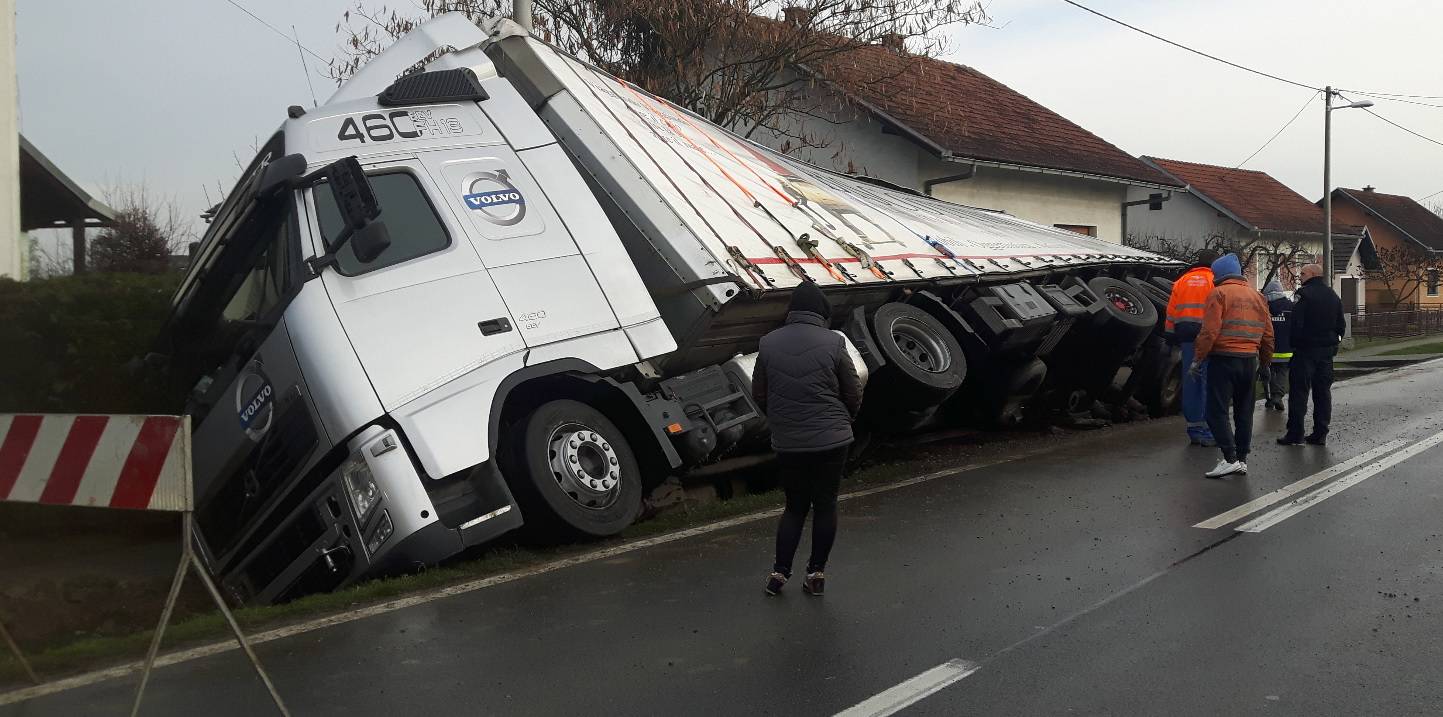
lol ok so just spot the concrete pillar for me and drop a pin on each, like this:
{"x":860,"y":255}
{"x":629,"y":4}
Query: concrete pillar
{"x":77,"y":243}
{"x":10,"y":238}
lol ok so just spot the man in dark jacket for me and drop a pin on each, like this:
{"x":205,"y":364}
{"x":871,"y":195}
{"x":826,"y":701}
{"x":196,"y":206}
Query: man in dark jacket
{"x":1281,"y":307}
{"x":806,"y":385}
{"x":1316,"y":328}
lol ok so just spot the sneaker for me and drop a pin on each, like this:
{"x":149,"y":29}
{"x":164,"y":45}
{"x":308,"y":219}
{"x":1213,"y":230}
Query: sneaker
{"x":1208,"y":442}
{"x":1316,"y":440}
{"x":775,"y":581}
{"x":1227,"y":468}
{"x":1275,"y":405}
{"x":1242,"y":467}
{"x":814,"y":584}
{"x":1290,"y":441}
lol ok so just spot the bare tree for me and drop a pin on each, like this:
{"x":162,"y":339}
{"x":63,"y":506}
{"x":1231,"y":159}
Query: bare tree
{"x":1402,"y":269}
{"x":1185,"y":250}
{"x":146,"y":232}
{"x":739,"y":63}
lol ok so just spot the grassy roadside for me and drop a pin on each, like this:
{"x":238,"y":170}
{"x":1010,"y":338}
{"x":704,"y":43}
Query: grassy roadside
{"x":87,"y":653}
{"x":1416,"y":349}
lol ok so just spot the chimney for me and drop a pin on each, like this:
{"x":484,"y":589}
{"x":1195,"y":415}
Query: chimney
{"x":1368,"y":188}
{"x":795,"y":16}
{"x":894,"y":42}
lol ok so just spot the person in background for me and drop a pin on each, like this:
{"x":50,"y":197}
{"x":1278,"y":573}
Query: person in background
{"x":1316,"y":328}
{"x":1281,"y":308}
{"x":1236,"y":337}
{"x":1183,"y":321}
{"x":807,"y":387}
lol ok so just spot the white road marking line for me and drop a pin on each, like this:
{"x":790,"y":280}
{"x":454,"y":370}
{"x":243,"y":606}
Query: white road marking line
{"x":897,"y":698}
{"x":1284,"y":512}
{"x":1264,"y":501}
{"x":215,"y":648}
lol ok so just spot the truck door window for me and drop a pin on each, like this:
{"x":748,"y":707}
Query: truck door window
{"x":410,"y":219}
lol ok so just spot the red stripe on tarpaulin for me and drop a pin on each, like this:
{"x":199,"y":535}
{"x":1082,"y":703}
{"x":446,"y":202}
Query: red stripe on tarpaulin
{"x":15,"y":449}
{"x":142,"y":466}
{"x":894,"y":257}
{"x":74,"y":456}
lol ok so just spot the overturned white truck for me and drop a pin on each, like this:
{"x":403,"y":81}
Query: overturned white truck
{"x":486,"y":283}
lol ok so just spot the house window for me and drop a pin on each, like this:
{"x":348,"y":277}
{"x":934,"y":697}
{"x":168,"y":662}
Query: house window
{"x":1432,"y":282}
{"x":1079,"y":228}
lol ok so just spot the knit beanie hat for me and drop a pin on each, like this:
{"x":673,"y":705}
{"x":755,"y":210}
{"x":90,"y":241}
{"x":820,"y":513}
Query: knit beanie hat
{"x":809,"y":297}
{"x":1228,"y":267}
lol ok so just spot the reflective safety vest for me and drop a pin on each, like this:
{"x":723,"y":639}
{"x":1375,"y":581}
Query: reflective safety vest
{"x":1189,"y":298}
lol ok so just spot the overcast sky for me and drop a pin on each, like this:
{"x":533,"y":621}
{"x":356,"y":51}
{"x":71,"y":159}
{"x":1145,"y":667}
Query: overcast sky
{"x":173,"y":94}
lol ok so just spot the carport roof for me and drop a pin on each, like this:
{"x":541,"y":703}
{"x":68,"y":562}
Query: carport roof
{"x":49,"y":199}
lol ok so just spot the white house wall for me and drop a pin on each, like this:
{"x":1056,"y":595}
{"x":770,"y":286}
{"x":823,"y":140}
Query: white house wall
{"x":1038,"y":197}
{"x":1183,"y":220}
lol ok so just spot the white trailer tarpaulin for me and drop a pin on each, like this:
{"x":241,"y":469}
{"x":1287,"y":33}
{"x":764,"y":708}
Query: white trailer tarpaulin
{"x":774,"y":220}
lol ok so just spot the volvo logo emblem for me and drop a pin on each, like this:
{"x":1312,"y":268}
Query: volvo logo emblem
{"x":494,"y":197}
{"x":254,"y":401}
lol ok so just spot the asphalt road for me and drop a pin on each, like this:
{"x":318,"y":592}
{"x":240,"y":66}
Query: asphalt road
{"x":1072,"y":581}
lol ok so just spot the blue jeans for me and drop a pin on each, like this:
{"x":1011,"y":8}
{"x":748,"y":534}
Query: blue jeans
{"x":1194,"y":396}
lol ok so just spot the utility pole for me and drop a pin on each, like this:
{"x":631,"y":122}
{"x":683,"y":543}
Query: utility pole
{"x":1328,"y":184}
{"x":1328,"y":108}
{"x":521,"y":13}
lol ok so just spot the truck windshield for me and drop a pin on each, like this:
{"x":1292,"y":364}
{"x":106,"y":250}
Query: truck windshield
{"x":410,"y":218}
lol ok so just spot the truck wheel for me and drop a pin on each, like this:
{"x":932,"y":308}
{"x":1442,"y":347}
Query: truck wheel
{"x":1127,"y":315}
{"x":576,"y":470}
{"x":924,"y":365}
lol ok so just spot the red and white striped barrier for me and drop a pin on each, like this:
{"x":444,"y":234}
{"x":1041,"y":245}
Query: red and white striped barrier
{"x":138,"y":462}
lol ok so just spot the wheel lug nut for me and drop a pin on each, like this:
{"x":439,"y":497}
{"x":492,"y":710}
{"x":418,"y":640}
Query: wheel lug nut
{"x":613,"y":461}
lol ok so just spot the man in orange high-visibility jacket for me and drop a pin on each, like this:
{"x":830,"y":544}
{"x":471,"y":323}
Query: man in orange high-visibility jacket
{"x":1236,"y":338}
{"x":1184,"y":321}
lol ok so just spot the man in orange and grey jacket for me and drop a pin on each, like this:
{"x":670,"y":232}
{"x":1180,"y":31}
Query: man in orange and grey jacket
{"x":1184,"y":320}
{"x":1236,"y":337}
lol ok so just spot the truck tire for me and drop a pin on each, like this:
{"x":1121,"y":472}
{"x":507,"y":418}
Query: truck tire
{"x":1126,"y":313}
{"x":1163,"y":389}
{"x":924,"y":364}
{"x":572,"y":470}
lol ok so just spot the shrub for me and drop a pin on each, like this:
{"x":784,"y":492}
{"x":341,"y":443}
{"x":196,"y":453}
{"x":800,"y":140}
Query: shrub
{"x":65,"y":343}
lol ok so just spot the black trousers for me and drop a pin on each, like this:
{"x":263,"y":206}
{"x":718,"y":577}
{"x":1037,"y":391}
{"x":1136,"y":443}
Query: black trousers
{"x":1311,"y":371}
{"x":811,"y":481}
{"x":1230,"y":389}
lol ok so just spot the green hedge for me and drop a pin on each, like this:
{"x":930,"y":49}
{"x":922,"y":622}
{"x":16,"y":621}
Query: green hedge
{"x":65,"y":342}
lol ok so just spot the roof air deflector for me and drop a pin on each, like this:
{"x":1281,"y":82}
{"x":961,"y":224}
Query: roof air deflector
{"x":437,"y":86}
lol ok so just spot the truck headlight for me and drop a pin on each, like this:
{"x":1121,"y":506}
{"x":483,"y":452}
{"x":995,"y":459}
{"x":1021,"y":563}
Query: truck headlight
{"x":360,"y":485}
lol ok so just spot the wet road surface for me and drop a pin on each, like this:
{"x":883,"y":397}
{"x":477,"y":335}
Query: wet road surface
{"x":1073,"y":581}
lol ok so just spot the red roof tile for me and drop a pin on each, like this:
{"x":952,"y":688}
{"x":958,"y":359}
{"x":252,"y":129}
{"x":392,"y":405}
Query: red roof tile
{"x":974,"y":116}
{"x":1413,"y":218}
{"x":1252,"y":196}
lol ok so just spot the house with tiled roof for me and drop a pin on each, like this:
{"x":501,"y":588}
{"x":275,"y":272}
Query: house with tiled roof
{"x":1395,"y":221}
{"x":1273,"y":229}
{"x":952,"y":132}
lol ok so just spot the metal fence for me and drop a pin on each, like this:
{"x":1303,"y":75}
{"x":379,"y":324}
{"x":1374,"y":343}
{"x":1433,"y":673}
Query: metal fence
{"x":1398,"y":324}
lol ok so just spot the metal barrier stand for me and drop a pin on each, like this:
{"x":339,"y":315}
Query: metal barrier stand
{"x":189,"y":559}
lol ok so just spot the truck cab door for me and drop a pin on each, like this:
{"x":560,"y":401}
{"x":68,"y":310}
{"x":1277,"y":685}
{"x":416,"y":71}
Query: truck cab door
{"x":553,"y":293}
{"x":425,"y":311}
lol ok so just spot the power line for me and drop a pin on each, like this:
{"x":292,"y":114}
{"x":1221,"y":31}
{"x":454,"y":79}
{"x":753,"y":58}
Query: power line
{"x":273,"y":28}
{"x":1431,"y":195}
{"x":1289,"y":123}
{"x":1370,"y":111}
{"x":1181,"y":46}
{"x":1396,"y":98}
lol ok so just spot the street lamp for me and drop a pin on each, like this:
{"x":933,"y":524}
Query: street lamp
{"x":1328,"y":94}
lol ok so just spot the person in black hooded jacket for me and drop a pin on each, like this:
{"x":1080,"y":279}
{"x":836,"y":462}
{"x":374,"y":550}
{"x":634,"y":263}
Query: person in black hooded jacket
{"x":806,"y":385}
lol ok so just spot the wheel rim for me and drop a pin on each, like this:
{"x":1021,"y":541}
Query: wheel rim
{"x":585,"y":466}
{"x":920,"y":346}
{"x":1123,"y":301}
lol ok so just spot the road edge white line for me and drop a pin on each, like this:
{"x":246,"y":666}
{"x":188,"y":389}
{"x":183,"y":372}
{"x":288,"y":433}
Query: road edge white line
{"x":215,"y":648}
{"x":1268,"y":499}
{"x":911,"y":691}
{"x":1283,"y":512}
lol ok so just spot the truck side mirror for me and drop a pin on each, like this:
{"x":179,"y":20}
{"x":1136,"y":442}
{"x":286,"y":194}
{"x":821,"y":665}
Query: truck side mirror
{"x":279,"y":174}
{"x":359,"y":209}
{"x":371,"y":241}
{"x":355,"y":198}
